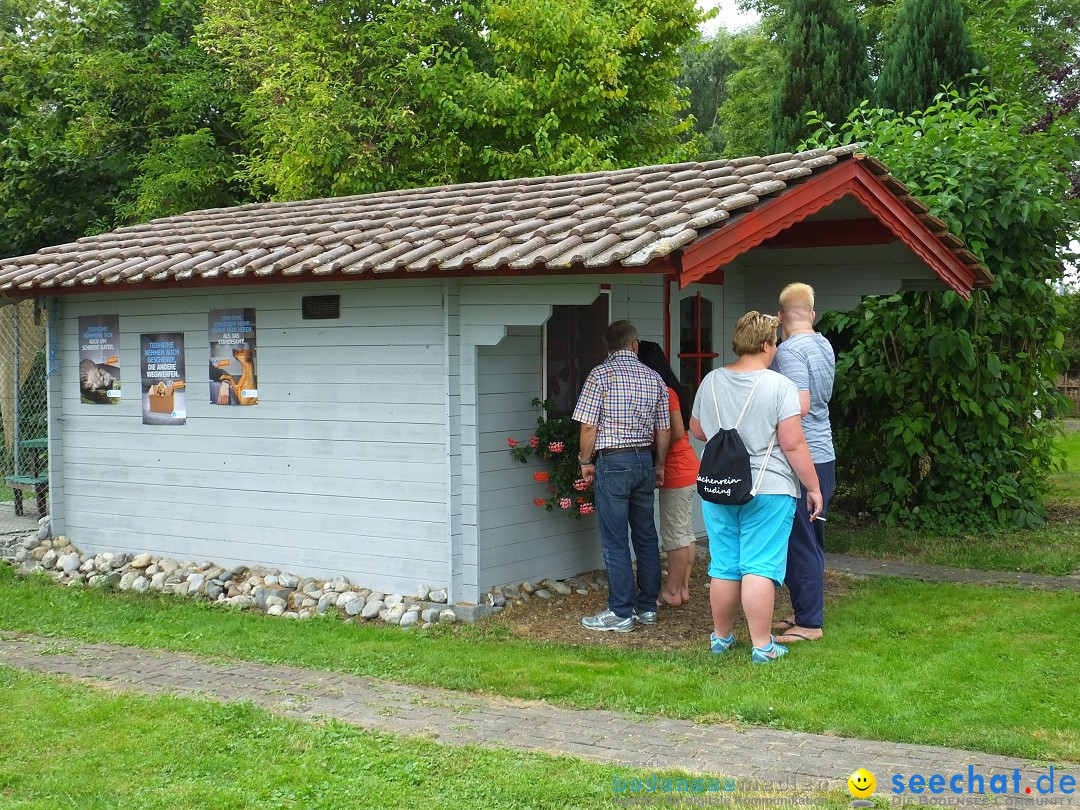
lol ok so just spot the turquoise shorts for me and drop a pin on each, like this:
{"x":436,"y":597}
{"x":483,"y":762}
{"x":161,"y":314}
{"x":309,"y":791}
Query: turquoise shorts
{"x":749,"y":539}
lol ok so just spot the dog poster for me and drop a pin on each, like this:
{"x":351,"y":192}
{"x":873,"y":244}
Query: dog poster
{"x":163,"y":386}
{"x":99,"y":359}
{"x":232,"y":357}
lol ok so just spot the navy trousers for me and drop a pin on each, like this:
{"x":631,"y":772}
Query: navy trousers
{"x":806,"y":554}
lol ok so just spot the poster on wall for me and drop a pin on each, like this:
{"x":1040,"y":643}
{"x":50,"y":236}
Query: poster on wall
{"x":99,"y":359}
{"x":163,"y":379}
{"x":232,"y":357}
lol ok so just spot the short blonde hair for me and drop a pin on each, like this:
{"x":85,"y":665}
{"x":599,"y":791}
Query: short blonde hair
{"x":798,"y":299}
{"x":751,"y":331}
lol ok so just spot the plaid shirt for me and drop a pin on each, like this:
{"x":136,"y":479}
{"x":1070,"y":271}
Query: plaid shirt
{"x":626,"y":400}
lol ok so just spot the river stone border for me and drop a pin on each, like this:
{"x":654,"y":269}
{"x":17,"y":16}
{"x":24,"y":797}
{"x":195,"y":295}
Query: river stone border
{"x":264,"y":589}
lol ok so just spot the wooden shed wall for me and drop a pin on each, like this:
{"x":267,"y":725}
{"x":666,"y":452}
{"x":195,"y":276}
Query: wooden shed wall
{"x":514,"y":540}
{"x":340,"y":468}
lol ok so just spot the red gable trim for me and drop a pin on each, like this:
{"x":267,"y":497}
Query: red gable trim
{"x":849,"y":178}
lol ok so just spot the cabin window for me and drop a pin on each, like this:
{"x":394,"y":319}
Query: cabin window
{"x":573,"y":346}
{"x":696,"y":349}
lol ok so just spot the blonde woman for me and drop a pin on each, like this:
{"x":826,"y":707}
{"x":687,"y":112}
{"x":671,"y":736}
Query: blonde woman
{"x":748,"y":543}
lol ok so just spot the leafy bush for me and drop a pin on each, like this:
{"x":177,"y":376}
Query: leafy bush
{"x":938,"y":399}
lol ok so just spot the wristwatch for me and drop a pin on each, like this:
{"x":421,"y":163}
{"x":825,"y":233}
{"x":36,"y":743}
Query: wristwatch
{"x":584,"y":461}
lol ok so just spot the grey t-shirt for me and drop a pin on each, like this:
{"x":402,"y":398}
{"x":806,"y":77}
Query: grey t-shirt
{"x":775,"y":400}
{"x":809,"y":362}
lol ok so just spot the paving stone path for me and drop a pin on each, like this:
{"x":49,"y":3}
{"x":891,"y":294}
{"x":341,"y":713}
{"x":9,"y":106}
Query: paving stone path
{"x":458,"y":718}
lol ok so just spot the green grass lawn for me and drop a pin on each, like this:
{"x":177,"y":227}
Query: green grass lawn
{"x":100,"y":750}
{"x":1052,"y":549}
{"x":991,"y":669}
{"x":1067,"y":483}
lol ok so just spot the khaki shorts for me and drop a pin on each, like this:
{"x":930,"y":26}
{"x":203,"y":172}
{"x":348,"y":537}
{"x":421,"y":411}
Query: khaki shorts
{"x":676,"y":517}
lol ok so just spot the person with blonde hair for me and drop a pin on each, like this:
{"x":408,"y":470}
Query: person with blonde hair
{"x":748,"y":542}
{"x":806,"y":358}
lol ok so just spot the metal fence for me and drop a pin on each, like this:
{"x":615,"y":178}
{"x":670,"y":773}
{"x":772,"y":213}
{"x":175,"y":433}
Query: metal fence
{"x":23,"y":417}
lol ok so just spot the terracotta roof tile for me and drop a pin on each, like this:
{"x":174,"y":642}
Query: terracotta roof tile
{"x":627,"y":217}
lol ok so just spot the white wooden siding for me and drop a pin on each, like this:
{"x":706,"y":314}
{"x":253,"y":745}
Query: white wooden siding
{"x":340,"y":468}
{"x":517,"y":540}
{"x":507,"y":538}
{"x":641,"y":303}
{"x":840,"y":276}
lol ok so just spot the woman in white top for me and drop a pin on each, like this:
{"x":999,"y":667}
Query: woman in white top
{"x":748,"y":543}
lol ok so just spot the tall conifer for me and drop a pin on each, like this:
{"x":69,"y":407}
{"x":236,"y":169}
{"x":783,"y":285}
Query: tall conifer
{"x":928,"y":46}
{"x":825,"y":68}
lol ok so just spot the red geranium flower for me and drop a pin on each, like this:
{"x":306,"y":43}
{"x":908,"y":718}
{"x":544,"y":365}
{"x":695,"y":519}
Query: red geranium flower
{"x":540,"y":477}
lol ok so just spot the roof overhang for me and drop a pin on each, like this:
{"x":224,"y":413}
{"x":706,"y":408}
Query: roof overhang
{"x":885,"y":198}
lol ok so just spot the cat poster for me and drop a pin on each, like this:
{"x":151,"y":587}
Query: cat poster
{"x":163,"y":386}
{"x":99,"y":359}
{"x":232,"y":357}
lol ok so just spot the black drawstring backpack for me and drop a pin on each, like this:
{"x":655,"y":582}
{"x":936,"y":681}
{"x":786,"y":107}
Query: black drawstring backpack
{"x":724,"y":476}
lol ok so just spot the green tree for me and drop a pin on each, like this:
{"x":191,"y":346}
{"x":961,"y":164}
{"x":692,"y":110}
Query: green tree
{"x":1031,"y":52}
{"x":344,"y":97}
{"x":742,"y":122}
{"x":928,"y":48}
{"x":707,"y":65}
{"x":108,"y":115}
{"x":1069,"y":321}
{"x":939,"y":397}
{"x":825,"y":69}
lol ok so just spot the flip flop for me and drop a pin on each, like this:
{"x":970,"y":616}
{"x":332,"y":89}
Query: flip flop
{"x":783,"y":625}
{"x":791,"y":638}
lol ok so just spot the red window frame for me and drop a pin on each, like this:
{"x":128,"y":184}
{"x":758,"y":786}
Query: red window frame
{"x":695,"y":341}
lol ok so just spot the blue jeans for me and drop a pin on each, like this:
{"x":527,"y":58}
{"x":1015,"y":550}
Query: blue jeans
{"x":625,"y":483}
{"x":806,"y":554}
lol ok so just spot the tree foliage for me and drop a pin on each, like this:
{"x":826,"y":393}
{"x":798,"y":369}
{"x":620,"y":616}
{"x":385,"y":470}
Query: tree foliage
{"x":344,"y":97}
{"x":117,"y":111}
{"x":940,"y":397}
{"x":928,"y":47}
{"x":108,"y":113}
{"x":1032,"y":53}
{"x":742,"y":122}
{"x":707,"y":66}
{"x":825,"y":69}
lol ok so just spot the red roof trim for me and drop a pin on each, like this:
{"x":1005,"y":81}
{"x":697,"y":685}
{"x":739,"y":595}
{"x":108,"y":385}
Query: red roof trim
{"x":853,"y":178}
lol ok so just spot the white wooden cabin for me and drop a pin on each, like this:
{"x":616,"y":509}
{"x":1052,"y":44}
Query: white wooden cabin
{"x":378,"y":447}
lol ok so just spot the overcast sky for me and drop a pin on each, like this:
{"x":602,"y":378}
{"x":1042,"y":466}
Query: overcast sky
{"x":729,"y":17}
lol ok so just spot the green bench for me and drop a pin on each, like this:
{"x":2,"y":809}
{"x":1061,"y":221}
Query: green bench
{"x":36,"y":482}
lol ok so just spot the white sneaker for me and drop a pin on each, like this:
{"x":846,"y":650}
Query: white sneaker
{"x":607,"y":620}
{"x":645,"y":616}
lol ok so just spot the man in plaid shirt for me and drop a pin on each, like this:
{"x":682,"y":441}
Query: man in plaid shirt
{"x":623,"y":411}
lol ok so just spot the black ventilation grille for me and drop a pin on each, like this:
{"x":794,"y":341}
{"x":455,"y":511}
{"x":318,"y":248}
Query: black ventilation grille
{"x":321,"y":307}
